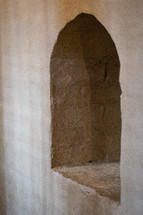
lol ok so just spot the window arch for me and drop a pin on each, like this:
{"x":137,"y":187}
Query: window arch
{"x":85,"y":95}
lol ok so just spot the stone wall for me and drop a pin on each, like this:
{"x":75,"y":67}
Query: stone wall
{"x":28,"y":32}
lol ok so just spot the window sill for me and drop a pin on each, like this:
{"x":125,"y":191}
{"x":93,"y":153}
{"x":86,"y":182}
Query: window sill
{"x":104,"y":178}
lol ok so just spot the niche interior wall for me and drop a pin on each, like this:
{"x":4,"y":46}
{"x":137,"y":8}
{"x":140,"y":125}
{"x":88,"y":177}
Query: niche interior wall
{"x":85,"y":95}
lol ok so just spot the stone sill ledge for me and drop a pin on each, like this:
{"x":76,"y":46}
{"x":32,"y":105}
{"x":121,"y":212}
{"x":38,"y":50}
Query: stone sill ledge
{"x":104,"y":178}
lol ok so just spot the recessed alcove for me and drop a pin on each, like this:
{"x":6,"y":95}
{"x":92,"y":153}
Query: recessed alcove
{"x":85,"y":105}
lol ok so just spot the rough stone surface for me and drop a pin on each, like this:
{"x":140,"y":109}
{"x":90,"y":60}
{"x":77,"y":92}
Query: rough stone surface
{"x":85,"y":94}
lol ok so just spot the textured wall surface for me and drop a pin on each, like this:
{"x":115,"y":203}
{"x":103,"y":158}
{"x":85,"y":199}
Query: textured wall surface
{"x":28,"y":32}
{"x":85,"y":94}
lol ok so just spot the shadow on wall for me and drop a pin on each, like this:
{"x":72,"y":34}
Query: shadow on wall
{"x":85,"y":95}
{"x":2,"y":152}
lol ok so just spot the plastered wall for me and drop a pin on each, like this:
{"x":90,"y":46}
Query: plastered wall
{"x":28,"y":31}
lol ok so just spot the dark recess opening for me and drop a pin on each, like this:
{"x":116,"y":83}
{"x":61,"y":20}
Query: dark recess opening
{"x":85,"y":95}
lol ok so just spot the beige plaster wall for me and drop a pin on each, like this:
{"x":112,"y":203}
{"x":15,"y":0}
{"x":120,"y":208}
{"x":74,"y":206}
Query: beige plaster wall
{"x":28,"y":31}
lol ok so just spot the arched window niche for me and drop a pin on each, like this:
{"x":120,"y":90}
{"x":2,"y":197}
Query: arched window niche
{"x":85,"y":106}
